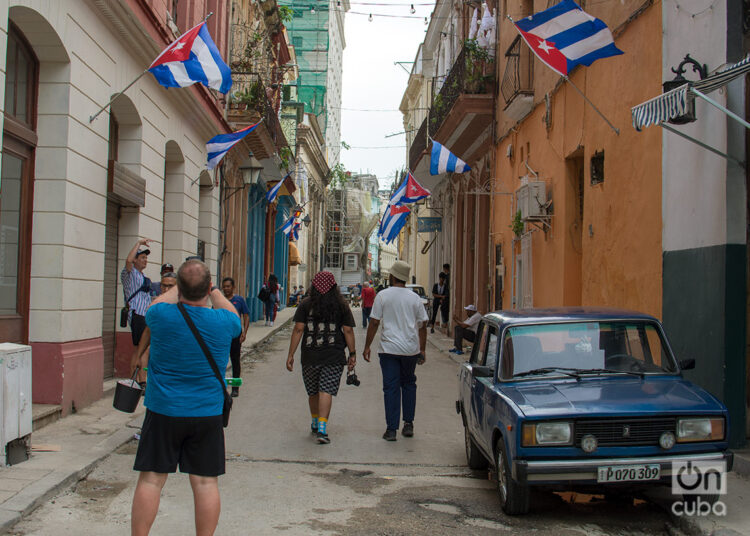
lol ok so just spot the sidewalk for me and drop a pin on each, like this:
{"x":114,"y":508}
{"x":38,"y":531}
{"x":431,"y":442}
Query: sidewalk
{"x":67,"y":450}
{"x":736,"y":522}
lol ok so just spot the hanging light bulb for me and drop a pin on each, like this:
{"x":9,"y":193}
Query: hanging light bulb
{"x":370,"y":17}
{"x":412,"y":10}
{"x":425,"y":21}
{"x":312,"y":10}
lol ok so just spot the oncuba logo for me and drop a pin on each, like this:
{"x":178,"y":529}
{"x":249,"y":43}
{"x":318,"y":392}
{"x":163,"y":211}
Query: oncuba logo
{"x":700,"y":484}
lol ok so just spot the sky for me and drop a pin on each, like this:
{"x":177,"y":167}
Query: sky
{"x":371,"y":81}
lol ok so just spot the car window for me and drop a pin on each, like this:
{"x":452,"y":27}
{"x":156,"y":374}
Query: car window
{"x":478,"y":351}
{"x":492,"y":349}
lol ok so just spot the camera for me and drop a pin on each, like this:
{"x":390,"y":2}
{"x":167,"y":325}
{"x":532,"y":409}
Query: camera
{"x":351,"y":379}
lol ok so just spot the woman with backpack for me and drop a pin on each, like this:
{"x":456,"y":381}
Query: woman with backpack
{"x":269,"y":295}
{"x":323,"y":322}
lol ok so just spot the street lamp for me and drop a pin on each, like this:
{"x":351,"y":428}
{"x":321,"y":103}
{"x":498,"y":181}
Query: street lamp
{"x":307,"y":220}
{"x":250,"y":169}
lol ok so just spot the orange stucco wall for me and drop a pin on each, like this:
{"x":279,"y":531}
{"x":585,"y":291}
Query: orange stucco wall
{"x":614,"y":256}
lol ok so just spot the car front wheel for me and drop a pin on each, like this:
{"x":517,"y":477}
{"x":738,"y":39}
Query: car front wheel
{"x":514,"y":497}
{"x":474,"y":457}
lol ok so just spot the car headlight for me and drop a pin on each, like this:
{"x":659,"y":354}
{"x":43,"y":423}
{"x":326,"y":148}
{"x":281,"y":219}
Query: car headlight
{"x":700,"y":429}
{"x":547,"y":434}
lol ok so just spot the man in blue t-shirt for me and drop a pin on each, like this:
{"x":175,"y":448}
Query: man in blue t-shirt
{"x":183,"y":423}
{"x":227,"y":287}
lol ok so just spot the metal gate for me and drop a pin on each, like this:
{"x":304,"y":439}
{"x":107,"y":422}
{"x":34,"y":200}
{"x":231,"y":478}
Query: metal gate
{"x":109,"y":294}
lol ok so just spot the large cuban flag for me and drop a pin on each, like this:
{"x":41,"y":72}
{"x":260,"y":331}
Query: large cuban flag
{"x":192,"y":58}
{"x":394,"y":218}
{"x":410,"y":191}
{"x":444,"y":161}
{"x":219,"y":145}
{"x":564,"y":36}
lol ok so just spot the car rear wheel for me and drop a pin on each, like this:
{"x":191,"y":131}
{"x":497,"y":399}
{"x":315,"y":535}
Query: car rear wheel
{"x":514,"y":497}
{"x":474,"y":457}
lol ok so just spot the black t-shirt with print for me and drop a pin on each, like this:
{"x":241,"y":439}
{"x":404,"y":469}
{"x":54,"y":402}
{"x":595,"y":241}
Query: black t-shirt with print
{"x":323,"y":343}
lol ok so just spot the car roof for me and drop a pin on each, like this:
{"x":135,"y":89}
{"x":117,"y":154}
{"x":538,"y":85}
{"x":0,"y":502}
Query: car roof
{"x":564,"y":314}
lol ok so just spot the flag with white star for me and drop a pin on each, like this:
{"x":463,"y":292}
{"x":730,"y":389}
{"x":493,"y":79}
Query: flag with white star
{"x":564,"y":36}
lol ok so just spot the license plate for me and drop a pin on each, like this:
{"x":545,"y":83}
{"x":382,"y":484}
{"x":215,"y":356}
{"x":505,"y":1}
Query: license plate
{"x":628,"y":473}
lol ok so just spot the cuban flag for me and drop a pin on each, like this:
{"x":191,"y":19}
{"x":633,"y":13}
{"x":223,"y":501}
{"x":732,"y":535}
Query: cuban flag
{"x":564,"y":36}
{"x":444,"y":161}
{"x":192,"y":58}
{"x":394,"y":218}
{"x":219,"y":145}
{"x":274,"y":192}
{"x":295,"y":230}
{"x":288,"y":225}
{"x":410,"y":191}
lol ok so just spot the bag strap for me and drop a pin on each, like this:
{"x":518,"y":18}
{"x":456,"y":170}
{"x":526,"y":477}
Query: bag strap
{"x":203,"y":346}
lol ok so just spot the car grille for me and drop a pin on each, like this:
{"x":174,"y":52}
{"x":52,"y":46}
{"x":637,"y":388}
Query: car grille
{"x":619,"y":432}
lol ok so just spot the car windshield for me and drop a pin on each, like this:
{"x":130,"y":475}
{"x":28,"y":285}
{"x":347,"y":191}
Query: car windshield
{"x":585,"y":348}
{"x":418,"y":290}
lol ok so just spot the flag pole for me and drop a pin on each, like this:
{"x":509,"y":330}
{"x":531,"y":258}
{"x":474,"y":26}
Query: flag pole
{"x":91,"y":119}
{"x":617,"y":130}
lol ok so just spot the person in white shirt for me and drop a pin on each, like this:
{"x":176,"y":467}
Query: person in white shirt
{"x":402,"y":348}
{"x":465,"y":330}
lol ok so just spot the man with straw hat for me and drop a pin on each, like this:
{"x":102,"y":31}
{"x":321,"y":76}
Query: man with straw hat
{"x":402,"y":347}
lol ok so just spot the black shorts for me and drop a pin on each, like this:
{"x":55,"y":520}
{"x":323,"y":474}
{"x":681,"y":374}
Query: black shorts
{"x":196,"y":444}
{"x":322,"y":379}
{"x":137,"y":327}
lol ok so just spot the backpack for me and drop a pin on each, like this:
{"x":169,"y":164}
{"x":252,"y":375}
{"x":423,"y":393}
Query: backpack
{"x":264,"y":294}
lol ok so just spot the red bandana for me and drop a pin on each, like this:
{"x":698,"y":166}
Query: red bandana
{"x":323,"y":282}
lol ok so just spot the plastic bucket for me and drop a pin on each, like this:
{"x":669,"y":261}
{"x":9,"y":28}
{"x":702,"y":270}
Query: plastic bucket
{"x":127,"y":395}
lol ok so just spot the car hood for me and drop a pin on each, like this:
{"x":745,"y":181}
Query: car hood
{"x":610,"y":395}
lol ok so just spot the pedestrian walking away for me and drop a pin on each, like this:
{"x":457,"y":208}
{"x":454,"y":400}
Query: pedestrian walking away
{"x":440,"y":300}
{"x":323,"y":322}
{"x":137,"y":290}
{"x":270,"y":299}
{"x":227,"y":287}
{"x":402,"y":348}
{"x":465,"y":330}
{"x":183,"y":425}
{"x":368,"y":298}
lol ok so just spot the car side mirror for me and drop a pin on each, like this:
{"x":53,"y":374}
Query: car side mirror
{"x":478,"y":371}
{"x":687,"y":364}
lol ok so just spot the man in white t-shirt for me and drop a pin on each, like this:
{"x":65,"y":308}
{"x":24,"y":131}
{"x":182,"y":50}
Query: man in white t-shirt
{"x":402,"y":347}
{"x":465,"y":330}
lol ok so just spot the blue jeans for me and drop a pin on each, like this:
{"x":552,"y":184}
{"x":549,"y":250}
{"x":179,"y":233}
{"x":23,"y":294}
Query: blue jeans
{"x":269,"y":303}
{"x":366,"y":315}
{"x":399,"y":387}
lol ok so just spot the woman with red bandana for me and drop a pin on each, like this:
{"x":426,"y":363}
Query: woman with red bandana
{"x":323,"y":322}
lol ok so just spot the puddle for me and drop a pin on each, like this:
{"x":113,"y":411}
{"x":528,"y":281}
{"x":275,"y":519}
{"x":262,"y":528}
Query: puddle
{"x":99,"y":489}
{"x":359,"y":481}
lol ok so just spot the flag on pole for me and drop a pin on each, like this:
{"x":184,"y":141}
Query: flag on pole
{"x":394,"y":218}
{"x":564,"y":36}
{"x":273,"y":193}
{"x":444,"y":161}
{"x":288,"y":225}
{"x":410,"y":191}
{"x":219,"y":145}
{"x":295,"y":230}
{"x":192,"y":58}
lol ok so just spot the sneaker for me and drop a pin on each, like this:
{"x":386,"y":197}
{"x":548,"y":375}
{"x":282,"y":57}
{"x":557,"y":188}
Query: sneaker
{"x":453,"y":350}
{"x":432,"y":329}
{"x":390,"y":435}
{"x":313,"y":428}
{"x":322,"y":438}
{"x":408,"y":429}
{"x":235,"y":392}
{"x":459,"y":352}
{"x":271,"y":323}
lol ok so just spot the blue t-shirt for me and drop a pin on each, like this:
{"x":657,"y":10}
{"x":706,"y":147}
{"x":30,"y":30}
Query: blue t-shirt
{"x":180,"y":380}
{"x":240,"y":304}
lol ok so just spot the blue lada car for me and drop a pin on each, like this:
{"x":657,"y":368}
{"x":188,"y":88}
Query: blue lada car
{"x":582,"y":398}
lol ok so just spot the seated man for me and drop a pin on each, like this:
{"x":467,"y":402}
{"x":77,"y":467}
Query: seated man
{"x":465,"y":330}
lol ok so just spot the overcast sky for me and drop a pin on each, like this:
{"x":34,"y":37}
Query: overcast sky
{"x":371,"y":81}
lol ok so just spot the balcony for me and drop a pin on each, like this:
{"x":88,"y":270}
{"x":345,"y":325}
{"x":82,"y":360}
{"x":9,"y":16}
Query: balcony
{"x":461,"y":110}
{"x":517,"y":86}
{"x":251,"y":101}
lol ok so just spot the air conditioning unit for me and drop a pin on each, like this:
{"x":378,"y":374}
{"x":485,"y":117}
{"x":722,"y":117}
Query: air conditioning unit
{"x":531,"y":199}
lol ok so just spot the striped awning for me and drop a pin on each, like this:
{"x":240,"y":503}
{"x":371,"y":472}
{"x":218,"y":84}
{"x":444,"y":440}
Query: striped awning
{"x":675,"y":103}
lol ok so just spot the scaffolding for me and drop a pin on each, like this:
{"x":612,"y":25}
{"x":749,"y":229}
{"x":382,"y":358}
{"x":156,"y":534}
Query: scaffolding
{"x":339,"y":232}
{"x":350,"y":219}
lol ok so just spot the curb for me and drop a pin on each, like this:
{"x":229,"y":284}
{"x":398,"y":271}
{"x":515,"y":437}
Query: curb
{"x":38,"y":493}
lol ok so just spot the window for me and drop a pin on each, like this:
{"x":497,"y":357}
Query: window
{"x":492,"y":348}
{"x":597,"y":168}
{"x":16,"y":186}
{"x":478,"y":353}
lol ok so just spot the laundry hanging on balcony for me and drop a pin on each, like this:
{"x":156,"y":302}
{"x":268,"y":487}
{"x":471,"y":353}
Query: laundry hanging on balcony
{"x":486,"y":32}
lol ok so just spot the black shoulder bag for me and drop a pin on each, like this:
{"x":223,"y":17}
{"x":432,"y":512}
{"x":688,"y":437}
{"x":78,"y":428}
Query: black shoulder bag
{"x":214,"y":367}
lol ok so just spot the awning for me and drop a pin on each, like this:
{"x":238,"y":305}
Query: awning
{"x":674,"y":103}
{"x":294,"y":258}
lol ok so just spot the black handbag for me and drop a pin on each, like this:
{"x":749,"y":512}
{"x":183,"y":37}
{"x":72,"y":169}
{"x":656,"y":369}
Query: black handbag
{"x":227,"y":398}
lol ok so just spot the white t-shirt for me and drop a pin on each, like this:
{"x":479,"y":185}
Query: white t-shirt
{"x":401,"y":313}
{"x":473,"y":321}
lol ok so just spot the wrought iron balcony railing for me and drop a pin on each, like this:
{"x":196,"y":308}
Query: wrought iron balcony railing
{"x":472,"y":73}
{"x":518,"y":78}
{"x":250,"y":100}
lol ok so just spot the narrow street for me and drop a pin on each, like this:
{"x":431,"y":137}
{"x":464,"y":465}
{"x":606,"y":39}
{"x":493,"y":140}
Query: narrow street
{"x":280,"y":481}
